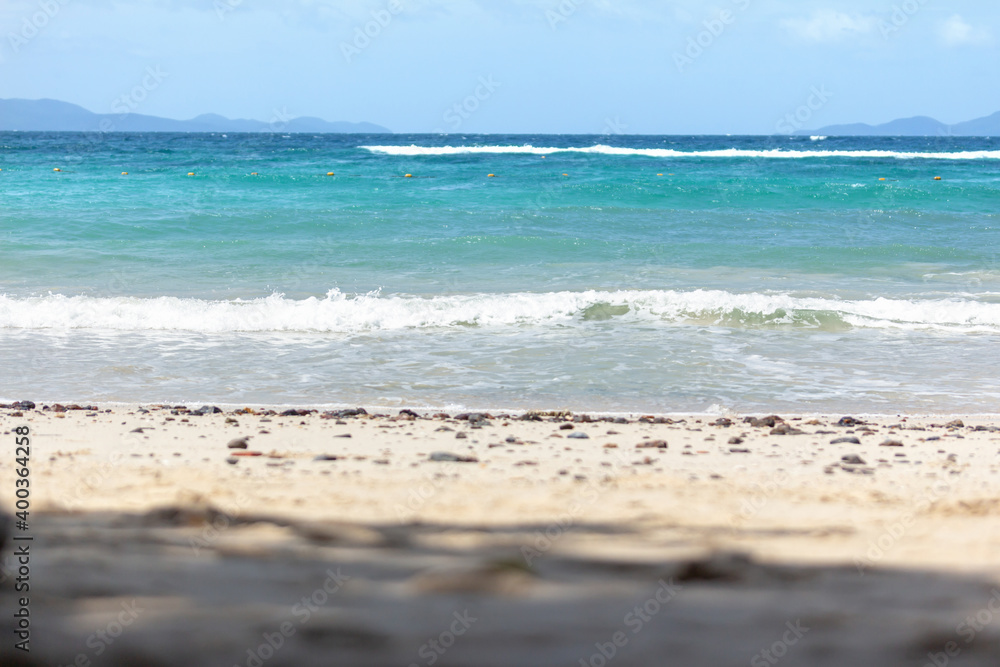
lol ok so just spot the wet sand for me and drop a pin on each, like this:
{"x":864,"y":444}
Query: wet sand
{"x":336,"y":539}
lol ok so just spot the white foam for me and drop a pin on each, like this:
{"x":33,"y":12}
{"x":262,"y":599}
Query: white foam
{"x":341,"y":313}
{"x":600,"y":149}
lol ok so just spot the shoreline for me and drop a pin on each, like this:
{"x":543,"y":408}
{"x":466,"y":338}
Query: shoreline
{"x":428,"y":410}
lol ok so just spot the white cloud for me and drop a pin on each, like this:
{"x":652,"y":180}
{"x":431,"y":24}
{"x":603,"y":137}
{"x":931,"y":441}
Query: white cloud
{"x":827,"y":25}
{"x":957,"y":32}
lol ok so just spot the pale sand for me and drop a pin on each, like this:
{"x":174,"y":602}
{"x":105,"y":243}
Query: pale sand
{"x":548,"y":542}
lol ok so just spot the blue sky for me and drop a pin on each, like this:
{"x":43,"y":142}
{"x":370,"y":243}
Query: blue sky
{"x":562,"y":66}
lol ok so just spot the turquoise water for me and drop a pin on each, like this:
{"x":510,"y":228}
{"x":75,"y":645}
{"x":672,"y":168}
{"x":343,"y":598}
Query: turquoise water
{"x":591,"y":273}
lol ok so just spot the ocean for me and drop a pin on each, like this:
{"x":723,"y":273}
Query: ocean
{"x":591,"y":273}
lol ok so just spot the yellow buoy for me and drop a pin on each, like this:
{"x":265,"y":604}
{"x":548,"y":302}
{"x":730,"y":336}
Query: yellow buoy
{"x":881,"y":179}
{"x":57,"y":169}
{"x":565,"y":174}
{"x":491,"y":175}
{"x":124,"y":173}
{"x":659,"y":174}
{"x":190,"y":173}
{"x":937,"y":178}
{"x":408,"y":176}
{"x":329,"y":173}
{"x":253,"y":173}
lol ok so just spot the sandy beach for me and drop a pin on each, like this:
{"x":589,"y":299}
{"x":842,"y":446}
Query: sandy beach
{"x":165,"y":535}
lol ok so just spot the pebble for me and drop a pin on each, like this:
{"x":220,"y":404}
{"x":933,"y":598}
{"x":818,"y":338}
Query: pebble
{"x":448,"y":457}
{"x":326,"y":457}
{"x":232,"y":461}
{"x":340,"y":414}
{"x":237,"y":443}
{"x":579,"y":435}
{"x":891,"y":443}
{"x":853,"y":459}
{"x":736,"y":440}
{"x":849,"y":440}
{"x":652,"y":444}
{"x":19,"y":405}
{"x":461,"y":435}
{"x":770,"y":421}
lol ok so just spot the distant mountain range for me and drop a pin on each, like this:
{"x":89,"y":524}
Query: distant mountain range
{"x":56,"y":116}
{"x":919,"y":126}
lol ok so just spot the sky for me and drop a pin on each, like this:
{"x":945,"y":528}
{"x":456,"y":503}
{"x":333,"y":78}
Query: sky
{"x":512,"y":66}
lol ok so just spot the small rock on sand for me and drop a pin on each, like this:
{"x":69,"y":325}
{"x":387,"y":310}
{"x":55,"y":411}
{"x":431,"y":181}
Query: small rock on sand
{"x":652,"y":444}
{"x":579,"y":435}
{"x":849,"y":440}
{"x":447,"y":457}
{"x":237,"y":443}
{"x":891,"y":443}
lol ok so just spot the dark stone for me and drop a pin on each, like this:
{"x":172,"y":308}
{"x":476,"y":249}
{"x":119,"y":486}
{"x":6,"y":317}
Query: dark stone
{"x":206,"y":410}
{"x":785,"y":429}
{"x":849,"y":440}
{"x":582,"y":419}
{"x":296,"y":413}
{"x":579,"y":435}
{"x":770,"y":421}
{"x":723,"y":421}
{"x":237,"y":443}
{"x":736,"y":440}
{"x":849,"y":421}
{"x":474,"y":416}
{"x":717,"y":567}
{"x":408,"y":413}
{"x":326,"y":457}
{"x":853,"y":459}
{"x":566,"y":427}
{"x":652,"y":444}
{"x":448,"y":457}
{"x":891,"y":443}
{"x":656,"y":420}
